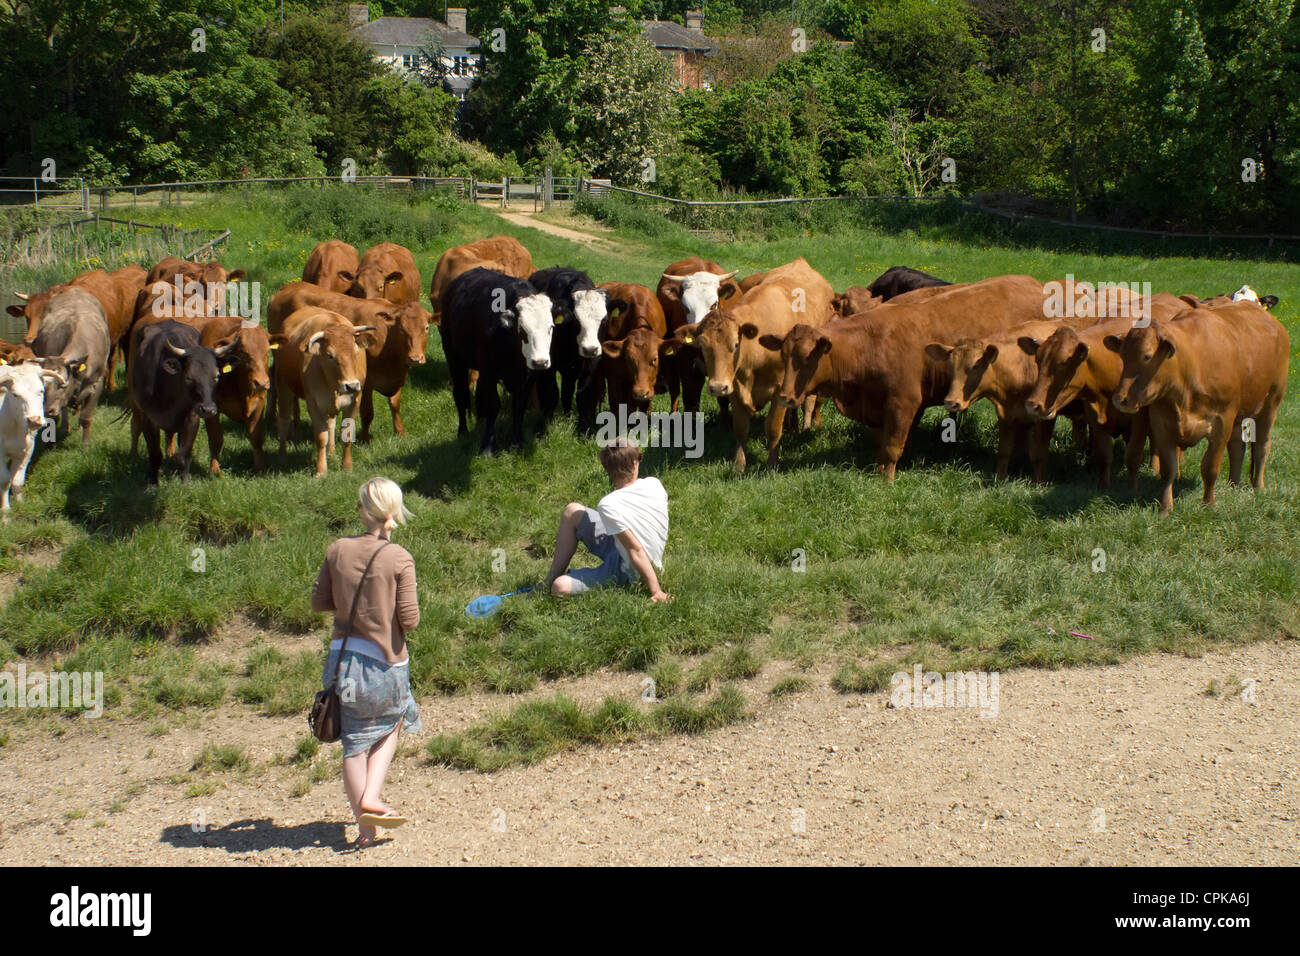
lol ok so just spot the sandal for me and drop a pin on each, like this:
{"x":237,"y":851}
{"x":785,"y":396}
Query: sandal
{"x":388,"y":820}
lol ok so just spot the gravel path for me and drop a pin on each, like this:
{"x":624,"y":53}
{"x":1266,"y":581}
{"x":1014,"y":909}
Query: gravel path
{"x":1133,"y":764}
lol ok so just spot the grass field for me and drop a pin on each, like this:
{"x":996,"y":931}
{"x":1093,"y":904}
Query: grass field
{"x":945,"y":567}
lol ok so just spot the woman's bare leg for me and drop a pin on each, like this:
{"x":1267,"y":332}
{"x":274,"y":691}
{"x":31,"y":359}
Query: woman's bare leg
{"x":381,"y":755}
{"x":355,"y":773}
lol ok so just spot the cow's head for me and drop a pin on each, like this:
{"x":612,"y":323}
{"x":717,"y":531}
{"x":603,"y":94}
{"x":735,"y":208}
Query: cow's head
{"x":339,"y":349}
{"x":247,"y":365}
{"x":590,"y":306}
{"x":1247,"y":294}
{"x":63,"y":390}
{"x":1144,"y":350}
{"x":975,"y":371}
{"x":534,"y":322}
{"x":410,"y":324}
{"x":803,"y":351}
{"x":699,"y":292}
{"x":1061,"y":360}
{"x":718,"y":336}
{"x":636,"y":358}
{"x":197,"y":368}
{"x":15,"y":354}
{"x":22,"y":387}
{"x":33,"y":309}
{"x":372,"y":282}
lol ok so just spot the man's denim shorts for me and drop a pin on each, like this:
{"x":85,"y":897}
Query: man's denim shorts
{"x":592,"y":533}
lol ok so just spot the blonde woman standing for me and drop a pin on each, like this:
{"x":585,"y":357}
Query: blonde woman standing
{"x":373,"y":580}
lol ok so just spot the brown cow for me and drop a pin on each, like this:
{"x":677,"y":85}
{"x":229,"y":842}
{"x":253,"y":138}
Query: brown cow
{"x":323,"y":362}
{"x":401,"y":340}
{"x":1216,"y":374}
{"x":875,"y":365}
{"x":244,"y":383}
{"x":854,"y":300}
{"x":498,"y":253}
{"x":332,"y":265}
{"x":387,"y":271}
{"x":204,"y":282}
{"x":739,"y":365}
{"x":632,"y":340}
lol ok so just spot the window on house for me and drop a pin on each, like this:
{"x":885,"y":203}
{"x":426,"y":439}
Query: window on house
{"x":410,"y":61}
{"x":462,"y":66}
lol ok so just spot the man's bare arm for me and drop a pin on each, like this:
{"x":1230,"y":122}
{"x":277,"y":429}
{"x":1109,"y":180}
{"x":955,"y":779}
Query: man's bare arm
{"x":636,"y":554}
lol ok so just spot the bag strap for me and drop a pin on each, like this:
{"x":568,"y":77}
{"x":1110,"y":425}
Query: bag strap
{"x":352,"y":614}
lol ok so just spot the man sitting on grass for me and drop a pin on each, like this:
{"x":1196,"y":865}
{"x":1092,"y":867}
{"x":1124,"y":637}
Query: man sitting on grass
{"x":627,"y":530}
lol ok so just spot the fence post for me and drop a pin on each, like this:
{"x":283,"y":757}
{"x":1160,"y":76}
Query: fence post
{"x":505,"y":192}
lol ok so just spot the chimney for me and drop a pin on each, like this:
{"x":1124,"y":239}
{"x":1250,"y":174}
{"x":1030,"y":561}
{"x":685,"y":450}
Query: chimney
{"x":358,"y":15}
{"x":695,"y":20}
{"x":456,"y":18}
{"x":617,"y":13}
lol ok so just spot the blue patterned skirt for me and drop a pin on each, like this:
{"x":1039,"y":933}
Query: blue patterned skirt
{"x":376,"y":696}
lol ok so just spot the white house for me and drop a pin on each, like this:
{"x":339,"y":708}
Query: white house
{"x":399,"y":41}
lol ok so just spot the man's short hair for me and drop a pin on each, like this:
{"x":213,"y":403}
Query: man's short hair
{"x":620,"y":459}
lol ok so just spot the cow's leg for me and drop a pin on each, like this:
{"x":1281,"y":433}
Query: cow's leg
{"x":894,"y":431}
{"x":518,"y":406}
{"x":257,"y":435}
{"x":1263,"y":443}
{"x":1135,"y":446}
{"x":1213,"y":460}
{"x":670,"y":376}
{"x":1040,"y":443}
{"x":487,"y":403}
{"x":812,"y":412}
{"x":112,"y":367}
{"x":460,"y":393}
{"x":591,"y":393}
{"x":548,"y":396}
{"x":136,"y":428}
{"x":216,"y":439}
{"x":153,"y":446}
{"x":1167,"y":451}
{"x":1236,"y":452}
{"x":1103,"y":450}
{"x":347,"y":439}
{"x":568,"y":382}
{"x":367,"y":411}
{"x":395,"y":406}
{"x":725,"y":413}
{"x":740,"y":428}
{"x":775,"y":427}
{"x":1006,"y":445}
{"x":87,"y":413}
{"x":322,"y":426}
{"x":185,"y":444}
{"x":18,"y":472}
{"x":4,"y":481}
{"x":284,"y":417}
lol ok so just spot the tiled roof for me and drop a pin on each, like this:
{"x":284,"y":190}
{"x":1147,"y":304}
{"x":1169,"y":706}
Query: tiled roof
{"x":412,"y":31}
{"x":665,"y":35}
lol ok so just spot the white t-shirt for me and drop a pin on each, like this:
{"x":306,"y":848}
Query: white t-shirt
{"x":642,"y":508}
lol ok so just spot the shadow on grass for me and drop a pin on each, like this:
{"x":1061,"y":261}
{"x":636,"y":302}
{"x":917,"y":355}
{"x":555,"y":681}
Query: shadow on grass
{"x":243,"y":836}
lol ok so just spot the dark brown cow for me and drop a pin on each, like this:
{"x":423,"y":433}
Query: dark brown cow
{"x":498,"y":253}
{"x":13,"y":354}
{"x":632,"y":341}
{"x":401,"y":340}
{"x":387,"y":271}
{"x":323,"y":362}
{"x":1216,"y":374}
{"x":739,"y":366}
{"x":875,"y":365}
{"x":332,"y":265}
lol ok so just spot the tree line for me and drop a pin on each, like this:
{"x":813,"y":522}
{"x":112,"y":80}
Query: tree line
{"x":1180,"y":113}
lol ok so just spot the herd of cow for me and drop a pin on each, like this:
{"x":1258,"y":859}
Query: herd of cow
{"x":1174,"y":369}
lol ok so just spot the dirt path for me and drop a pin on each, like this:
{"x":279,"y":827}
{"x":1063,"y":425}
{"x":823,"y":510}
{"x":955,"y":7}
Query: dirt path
{"x":1132,"y":764}
{"x":529,"y":221}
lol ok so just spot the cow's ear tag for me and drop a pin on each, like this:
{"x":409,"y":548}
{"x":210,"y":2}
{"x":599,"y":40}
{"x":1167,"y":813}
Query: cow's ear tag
{"x":274,"y":346}
{"x":688,"y":339}
{"x":670,"y":351}
{"x":225,"y":368}
{"x":559,"y":319}
{"x":3,"y":362}
{"x":81,"y":367}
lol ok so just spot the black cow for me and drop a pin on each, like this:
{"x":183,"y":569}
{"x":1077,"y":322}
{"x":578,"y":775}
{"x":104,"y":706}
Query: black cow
{"x":502,"y":327}
{"x":575,"y":348}
{"x":173,"y":384}
{"x":899,"y":279}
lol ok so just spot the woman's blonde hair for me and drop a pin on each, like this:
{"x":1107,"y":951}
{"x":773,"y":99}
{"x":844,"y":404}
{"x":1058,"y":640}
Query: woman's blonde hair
{"x":381,"y":500}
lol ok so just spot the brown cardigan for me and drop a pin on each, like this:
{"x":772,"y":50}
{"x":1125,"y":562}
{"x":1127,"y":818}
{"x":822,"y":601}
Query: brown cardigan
{"x":388,"y":607}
